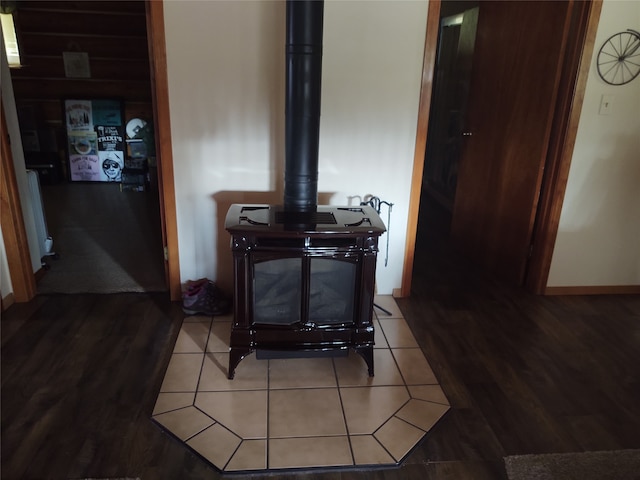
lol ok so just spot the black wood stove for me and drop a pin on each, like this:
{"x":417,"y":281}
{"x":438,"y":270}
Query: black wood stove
{"x":304,"y":274}
{"x":304,"y":282}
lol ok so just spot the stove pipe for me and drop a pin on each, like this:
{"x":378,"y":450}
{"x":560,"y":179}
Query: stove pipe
{"x":302,"y":107}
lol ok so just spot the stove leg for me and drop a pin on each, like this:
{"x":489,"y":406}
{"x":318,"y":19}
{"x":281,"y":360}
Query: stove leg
{"x":235,"y":356}
{"x":367,"y":354}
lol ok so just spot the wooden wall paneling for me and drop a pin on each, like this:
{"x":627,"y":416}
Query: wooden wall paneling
{"x":52,"y":66}
{"x":12,"y":221}
{"x":96,"y":6}
{"x":96,"y":47}
{"x":72,"y":88}
{"x":64,"y":22}
{"x":143,"y":110}
{"x":428,"y":66}
{"x":47,"y":88}
{"x":49,"y":110}
{"x":114,"y":36}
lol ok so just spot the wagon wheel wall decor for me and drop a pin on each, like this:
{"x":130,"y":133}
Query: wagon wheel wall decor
{"x":619,"y":58}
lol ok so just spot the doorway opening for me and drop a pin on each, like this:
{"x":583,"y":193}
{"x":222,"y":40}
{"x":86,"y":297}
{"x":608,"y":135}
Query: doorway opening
{"x":107,"y":236}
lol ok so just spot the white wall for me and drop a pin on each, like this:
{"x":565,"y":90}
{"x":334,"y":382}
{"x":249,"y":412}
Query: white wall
{"x":598,"y":241}
{"x":225,"y":63}
{"x":372,"y":71}
{"x":11,"y":116}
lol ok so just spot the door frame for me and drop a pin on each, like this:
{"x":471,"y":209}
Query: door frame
{"x":577,"y":60}
{"x":12,"y":223}
{"x":164,"y":149}
{"x":22,"y":278}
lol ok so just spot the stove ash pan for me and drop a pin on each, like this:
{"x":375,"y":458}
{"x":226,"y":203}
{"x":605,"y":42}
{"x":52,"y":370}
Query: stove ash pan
{"x":304,"y":281}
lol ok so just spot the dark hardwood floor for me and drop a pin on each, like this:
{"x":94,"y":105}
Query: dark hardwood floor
{"x":523,"y":373}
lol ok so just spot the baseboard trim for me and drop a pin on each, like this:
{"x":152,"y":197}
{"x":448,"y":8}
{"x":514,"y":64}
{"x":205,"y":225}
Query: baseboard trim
{"x":7,"y":301}
{"x":594,"y":290}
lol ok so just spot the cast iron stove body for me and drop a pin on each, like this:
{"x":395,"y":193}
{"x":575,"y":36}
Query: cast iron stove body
{"x":304,"y":281}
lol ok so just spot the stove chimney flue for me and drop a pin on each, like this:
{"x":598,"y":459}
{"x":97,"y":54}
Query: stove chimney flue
{"x":302,"y":107}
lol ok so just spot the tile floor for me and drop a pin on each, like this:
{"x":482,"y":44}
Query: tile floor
{"x":299,"y":413}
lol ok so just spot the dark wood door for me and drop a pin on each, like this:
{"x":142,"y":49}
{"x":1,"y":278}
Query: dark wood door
{"x":515,"y":76}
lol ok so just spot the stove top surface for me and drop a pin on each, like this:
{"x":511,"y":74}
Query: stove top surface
{"x":322,"y":219}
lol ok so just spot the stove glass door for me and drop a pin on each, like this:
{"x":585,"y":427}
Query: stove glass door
{"x":277,"y":291}
{"x":318,"y":290}
{"x":332,"y":291}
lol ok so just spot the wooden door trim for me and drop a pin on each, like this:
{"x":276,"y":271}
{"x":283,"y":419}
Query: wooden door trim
{"x":428,"y":67}
{"x":564,"y":130}
{"x":164,"y":150}
{"x":12,"y":222}
{"x":577,"y":63}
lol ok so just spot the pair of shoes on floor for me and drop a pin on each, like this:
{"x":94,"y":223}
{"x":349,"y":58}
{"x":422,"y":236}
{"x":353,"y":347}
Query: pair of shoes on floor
{"x":203,"y":297}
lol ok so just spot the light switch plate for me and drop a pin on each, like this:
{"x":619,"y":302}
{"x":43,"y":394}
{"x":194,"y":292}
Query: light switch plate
{"x":606,"y":105}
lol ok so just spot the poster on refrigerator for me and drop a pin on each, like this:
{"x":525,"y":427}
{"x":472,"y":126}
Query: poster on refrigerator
{"x":111,"y":151}
{"x":83,"y":143}
{"x":107,"y":113}
{"x":110,"y":138}
{"x":96,"y":146}
{"x":84,"y":162}
{"x":112,"y":164}
{"x":78,"y":115}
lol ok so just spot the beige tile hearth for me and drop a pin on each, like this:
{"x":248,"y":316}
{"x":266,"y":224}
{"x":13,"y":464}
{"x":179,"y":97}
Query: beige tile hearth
{"x":242,"y":412}
{"x":216,"y":444}
{"x":352,"y":370}
{"x":251,"y":455}
{"x":398,"y":437}
{"x":367,"y":450}
{"x":309,"y":452}
{"x":285,"y":373}
{"x":299,"y":413}
{"x":305,"y":413}
{"x":251,"y":374}
{"x":182,"y":373}
{"x":185,"y":422}
{"x":368,"y":408}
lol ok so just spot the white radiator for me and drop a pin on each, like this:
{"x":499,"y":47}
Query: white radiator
{"x":45,"y":242}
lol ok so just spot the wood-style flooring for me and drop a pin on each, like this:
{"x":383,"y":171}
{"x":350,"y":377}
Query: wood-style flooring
{"x":523,"y":374}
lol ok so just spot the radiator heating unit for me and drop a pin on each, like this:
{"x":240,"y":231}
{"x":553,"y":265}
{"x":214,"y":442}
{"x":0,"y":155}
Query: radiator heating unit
{"x":45,"y":242}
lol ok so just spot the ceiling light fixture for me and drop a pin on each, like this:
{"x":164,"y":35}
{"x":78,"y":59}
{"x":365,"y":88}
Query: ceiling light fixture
{"x":10,"y":40}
